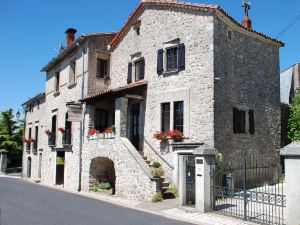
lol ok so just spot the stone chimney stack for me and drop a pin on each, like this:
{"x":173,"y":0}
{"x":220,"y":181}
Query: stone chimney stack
{"x":246,"y":23}
{"x":70,"y":36}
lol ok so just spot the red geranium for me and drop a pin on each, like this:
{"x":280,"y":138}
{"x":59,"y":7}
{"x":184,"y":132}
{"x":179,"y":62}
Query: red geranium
{"x":23,"y":140}
{"x":107,"y":130}
{"x":29,"y":140}
{"x":159,"y":135}
{"x":175,"y":134}
{"x":48,"y":132}
{"x":61,"y":129}
{"x":92,"y":131}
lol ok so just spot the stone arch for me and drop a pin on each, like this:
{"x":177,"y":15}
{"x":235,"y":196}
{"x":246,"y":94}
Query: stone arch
{"x":102,"y":169}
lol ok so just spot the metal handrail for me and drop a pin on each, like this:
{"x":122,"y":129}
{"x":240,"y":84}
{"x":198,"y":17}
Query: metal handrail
{"x":157,"y":153}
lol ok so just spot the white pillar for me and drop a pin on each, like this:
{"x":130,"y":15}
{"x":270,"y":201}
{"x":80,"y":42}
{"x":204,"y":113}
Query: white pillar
{"x":121,"y":105}
{"x":291,"y":154}
{"x":205,"y":162}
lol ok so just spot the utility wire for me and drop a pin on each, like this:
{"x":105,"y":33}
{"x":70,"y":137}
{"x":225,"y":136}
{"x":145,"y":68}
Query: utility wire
{"x":288,"y":27}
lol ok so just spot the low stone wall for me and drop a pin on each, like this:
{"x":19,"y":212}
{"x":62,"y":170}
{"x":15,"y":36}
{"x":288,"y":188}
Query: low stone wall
{"x":133,"y":178}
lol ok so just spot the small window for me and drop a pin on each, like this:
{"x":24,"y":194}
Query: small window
{"x":138,"y":31}
{"x":239,"y":121}
{"x":38,"y":104}
{"x":178,"y":116}
{"x":102,"y":66}
{"x":57,"y":82}
{"x":72,"y":79}
{"x":171,"y":59}
{"x":165,"y":117}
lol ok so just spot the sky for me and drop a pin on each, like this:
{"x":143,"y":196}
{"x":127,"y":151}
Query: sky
{"x":31,"y":31}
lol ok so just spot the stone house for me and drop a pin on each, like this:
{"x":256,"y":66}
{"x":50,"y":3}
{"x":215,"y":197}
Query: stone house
{"x":172,"y":66}
{"x":289,"y":84}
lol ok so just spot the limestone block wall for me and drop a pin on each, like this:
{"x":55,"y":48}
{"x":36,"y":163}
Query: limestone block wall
{"x":194,"y":85}
{"x":247,"y":74}
{"x":132,"y":182}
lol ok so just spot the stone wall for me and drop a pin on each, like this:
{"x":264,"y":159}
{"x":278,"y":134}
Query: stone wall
{"x":246,"y":75}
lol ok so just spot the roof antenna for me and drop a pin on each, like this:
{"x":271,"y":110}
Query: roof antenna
{"x":246,"y":23}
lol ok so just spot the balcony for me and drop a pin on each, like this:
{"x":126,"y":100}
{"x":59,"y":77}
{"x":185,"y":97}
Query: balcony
{"x":51,"y":139}
{"x":67,"y":137}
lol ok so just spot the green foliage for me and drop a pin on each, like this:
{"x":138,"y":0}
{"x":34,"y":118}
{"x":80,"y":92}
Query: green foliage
{"x":94,"y":188}
{"x":294,"y":119}
{"x":156,"y":165}
{"x":281,"y":179}
{"x":11,"y":132}
{"x":104,"y":185}
{"x":173,"y":191}
{"x":157,"y":172}
{"x":157,"y":197}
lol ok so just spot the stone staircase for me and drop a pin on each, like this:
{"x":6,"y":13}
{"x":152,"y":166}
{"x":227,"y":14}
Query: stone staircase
{"x":164,"y":184}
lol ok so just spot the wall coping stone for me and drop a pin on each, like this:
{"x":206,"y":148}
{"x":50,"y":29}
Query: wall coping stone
{"x":292,"y":149}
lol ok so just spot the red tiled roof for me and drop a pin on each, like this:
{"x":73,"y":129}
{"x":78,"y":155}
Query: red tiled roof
{"x":173,"y":3}
{"x":116,"y":90}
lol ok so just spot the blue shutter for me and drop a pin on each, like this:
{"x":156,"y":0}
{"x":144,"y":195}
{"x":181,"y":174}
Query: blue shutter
{"x":129,"y":76}
{"x":181,"y":57}
{"x":160,"y":61}
{"x":142,"y":68}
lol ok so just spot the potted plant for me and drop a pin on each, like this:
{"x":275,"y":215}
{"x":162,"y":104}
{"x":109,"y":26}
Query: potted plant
{"x":156,"y":170}
{"x":61,"y":129}
{"x":162,"y":136}
{"x":92,"y":134}
{"x":175,"y":135}
{"x":107,"y":132}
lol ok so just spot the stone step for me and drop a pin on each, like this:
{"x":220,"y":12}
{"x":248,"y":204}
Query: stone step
{"x":145,"y":158}
{"x":164,"y":189}
{"x":148,"y":162}
{"x":165,"y":184}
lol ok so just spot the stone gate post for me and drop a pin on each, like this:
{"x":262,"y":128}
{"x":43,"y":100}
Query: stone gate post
{"x":3,"y":161}
{"x":205,"y":162}
{"x":291,"y":154}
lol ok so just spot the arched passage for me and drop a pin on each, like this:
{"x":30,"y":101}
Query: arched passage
{"x":102,"y":169}
{"x":29,"y":167}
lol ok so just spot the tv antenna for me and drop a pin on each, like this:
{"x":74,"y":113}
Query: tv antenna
{"x":247,"y":6}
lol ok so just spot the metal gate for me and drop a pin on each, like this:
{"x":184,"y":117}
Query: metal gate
{"x":190,"y":181}
{"x":250,"y":187}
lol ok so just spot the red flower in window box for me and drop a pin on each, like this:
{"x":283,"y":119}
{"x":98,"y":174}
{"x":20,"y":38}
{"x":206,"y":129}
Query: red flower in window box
{"x":92,"y":131}
{"x":29,"y":140}
{"x":162,"y":136}
{"x":24,"y":140}
{"x":61,"y":129}
{"x":176,"y":135}
{"x":107,"y":130}
{"x":48,"y":132}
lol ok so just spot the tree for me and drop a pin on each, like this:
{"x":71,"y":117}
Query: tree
{"x":11,"y":132}
{"x":294,"y":119}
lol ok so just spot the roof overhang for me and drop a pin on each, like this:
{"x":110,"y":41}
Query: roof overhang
{"x":117,"y":92}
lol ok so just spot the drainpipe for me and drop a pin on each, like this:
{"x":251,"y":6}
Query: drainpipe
{"x":81,"y":139}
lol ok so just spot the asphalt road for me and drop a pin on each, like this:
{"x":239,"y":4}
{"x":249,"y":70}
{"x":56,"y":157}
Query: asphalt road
{"x":23,"y":203}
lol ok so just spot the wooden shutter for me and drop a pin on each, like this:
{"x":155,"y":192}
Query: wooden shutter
{"x":235,"y":120}
{"x":129,"y":76}
{"x":142,"y":68}
{"x":251,"y":121}
{"x":160,"y":61}
{"x":98,"y":72}
{"x":181,"y":57}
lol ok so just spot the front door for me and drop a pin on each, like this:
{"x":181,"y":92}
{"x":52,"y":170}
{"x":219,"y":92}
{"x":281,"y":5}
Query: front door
{"x":135,"y":130}
{"x":190,"y":180}
{"x":60,"y":168}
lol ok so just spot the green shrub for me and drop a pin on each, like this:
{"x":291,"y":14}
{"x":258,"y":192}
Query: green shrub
{"x":94,"y":188}
{"x":156,"y":165}
{"x":157,"y":197}
{"x":173,"y":191}
{"x":157,"y":172}
{"x":281,"y":179}
{"x":104,"y":185}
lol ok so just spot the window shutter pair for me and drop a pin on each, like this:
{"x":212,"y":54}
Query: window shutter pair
{"x":180,"y":59}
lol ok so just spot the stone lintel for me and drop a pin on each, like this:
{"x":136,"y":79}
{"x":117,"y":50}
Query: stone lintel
{"x":205,"y":150}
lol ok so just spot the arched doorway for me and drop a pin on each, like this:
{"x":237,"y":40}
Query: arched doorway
{"x":29,"y":167}
{"x":102,"y":171}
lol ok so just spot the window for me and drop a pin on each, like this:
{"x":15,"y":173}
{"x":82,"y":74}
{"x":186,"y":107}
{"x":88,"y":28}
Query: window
{"x":178,"y":116}
{"x":139,"y":70}
{"x":101,"y":120}
{"x":243,"y":121}
{"x":165,"y":117}
{"x":38,"y":104}
{"x":72,"y":78}
{"x":53,"y":130}
{"x":57,"y":80}
{"x":138,"y":31}
{"x":102,"y":66}
{"x":31,"y":108}
{"x":171,"y":59}
{"x":229,"y":34}
{"x":175,"y":59}
{"x":36,"y":137}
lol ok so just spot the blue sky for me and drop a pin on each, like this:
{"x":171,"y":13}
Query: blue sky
{"x":31,"y":30}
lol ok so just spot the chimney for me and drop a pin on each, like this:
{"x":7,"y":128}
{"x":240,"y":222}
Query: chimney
{"x":246,"y":23}
{"x":70,"y":36}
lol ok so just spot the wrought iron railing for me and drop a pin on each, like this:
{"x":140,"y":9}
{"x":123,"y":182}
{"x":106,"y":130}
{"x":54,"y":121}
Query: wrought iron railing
{"x":67,"y":137}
